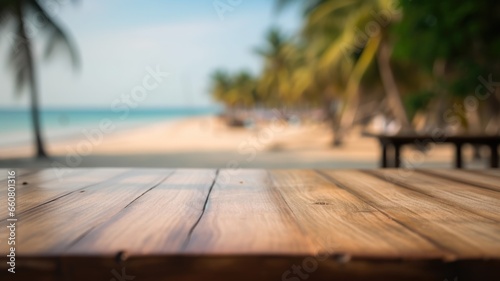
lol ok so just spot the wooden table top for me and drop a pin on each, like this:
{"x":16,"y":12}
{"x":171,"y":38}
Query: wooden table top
{"x":163,"y":222}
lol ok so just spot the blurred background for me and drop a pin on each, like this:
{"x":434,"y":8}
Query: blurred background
{"x":237,"y":83}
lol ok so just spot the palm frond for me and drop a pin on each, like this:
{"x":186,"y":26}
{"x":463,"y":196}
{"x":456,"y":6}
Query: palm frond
{"x":57,"y":36}
{"x":18,"y":58}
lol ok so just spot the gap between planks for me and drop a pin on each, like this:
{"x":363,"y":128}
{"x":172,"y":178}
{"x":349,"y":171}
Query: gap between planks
{"x":466,"y":233}
{"x":174,"y":206}
{"x":75,"y":241}
{"x":441,"y":200}
{"x":246,"y":215}
{"x":450,"y":254}
{"x":469,"y":181}
{"x":62,"y":195}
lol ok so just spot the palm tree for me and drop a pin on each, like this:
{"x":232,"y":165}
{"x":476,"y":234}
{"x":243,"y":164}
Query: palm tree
{"x":235,"y":92}
{"x":220,"y":87}
{"x":22,"y":58}
{"x":244,"y":89}
{"x":274,"y":83}
{"x":338,"y":27}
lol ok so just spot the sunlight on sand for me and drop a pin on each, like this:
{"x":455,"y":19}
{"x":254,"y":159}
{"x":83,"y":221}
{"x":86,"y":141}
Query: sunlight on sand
{"x":207,"y":142}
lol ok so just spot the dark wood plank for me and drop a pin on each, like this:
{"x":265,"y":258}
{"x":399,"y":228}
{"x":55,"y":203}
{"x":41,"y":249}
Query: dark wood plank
{"x":157,"y":223}
{"x":341,"y":223}
{"x":455,"y":230}
{"x":480,"y":201}
{"x":245,"y":215}
{"x":249,"y":268}
{"x":51,"y":228}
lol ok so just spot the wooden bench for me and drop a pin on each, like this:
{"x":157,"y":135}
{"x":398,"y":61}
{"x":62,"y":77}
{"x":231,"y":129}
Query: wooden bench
{"x":161,"y":224}
{"x":396,"y":142}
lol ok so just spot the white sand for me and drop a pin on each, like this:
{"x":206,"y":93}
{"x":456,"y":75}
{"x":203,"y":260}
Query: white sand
{"x":205,"y":142}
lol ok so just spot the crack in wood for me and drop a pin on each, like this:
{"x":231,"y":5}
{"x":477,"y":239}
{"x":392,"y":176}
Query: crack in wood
{"x":191,"y":230}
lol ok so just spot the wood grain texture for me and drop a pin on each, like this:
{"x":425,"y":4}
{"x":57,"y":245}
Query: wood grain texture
{"x":491,"y":172}
{"x":476,"y":200}
{"x":19,"y":172}
{"x":45,"y":185}
{"x":156,"y":223}
{"x":51,"y":228}
{"x":244,"y":215}
{"x":256,"y":225}
{"x":458,"y":232}
{"x":341,"y":223}
{"x":468,"y":178}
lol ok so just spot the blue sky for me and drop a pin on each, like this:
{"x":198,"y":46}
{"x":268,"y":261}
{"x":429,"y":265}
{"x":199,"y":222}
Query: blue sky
{"x":119,"y":39}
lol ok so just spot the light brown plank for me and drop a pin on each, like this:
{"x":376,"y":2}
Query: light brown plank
{"x":469,"y":177}
{"x":460,"y":232}
{"x":44,"y":186}
{"x":156,"y":223}
{"x":342,"y":223}
{"x":19,"y":173}
{"x":480,"y":201}
{"x":19,"y":177}
{"x":491,"y":172}
{"x":3,"y":174}
{"x":53,"y":227}
{"x":245,"y":215}
{"x":29,"y":178}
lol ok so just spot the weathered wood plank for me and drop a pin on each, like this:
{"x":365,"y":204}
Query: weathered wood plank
{"x":255,"y":225}
{"x":30,"y":178}
{"x":157,"y":223}
{"x":19,"y":173}
{"x":468,"y":177}
{"x":341,"y":223}
{"x":457,"y":231}
{"x":491,"y":172}
{"x":45,"y":186}
{"x":3,"y":174}
{"x":482,"y":202}
{"x":53,"y":227}
{"x":245,"y":215}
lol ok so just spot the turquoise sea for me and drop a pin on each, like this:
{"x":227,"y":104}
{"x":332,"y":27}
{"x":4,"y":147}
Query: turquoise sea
{"x":16,"y":127}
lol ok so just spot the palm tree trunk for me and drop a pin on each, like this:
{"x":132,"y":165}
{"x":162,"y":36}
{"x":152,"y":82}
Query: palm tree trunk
{"x":331,"y":110}
{"x":35,"y":117}
{"x":391,"y":88}
{"x":35,"y":112}
{"x":352,"y":90}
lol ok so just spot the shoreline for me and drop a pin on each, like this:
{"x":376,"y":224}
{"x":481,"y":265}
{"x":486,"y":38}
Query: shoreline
{"x":206,"y":142}
{"x":57,"y":123}
{"x":62,"y":134}
{"x":75,"y":135}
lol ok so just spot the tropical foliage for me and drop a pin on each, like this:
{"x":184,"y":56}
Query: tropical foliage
{"x":409,"y":58}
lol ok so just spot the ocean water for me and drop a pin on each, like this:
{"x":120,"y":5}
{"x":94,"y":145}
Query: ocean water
{"x":16,"y":127}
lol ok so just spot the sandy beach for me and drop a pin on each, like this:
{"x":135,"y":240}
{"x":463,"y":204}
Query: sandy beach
{"x":206,"y":142}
